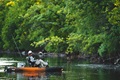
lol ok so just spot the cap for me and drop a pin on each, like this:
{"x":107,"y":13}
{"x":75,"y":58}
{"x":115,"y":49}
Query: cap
{"x":40,"y":52}
{"x":29,"y":52}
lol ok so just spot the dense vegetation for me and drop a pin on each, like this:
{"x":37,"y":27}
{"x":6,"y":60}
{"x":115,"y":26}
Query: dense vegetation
{"x":70,"y":26}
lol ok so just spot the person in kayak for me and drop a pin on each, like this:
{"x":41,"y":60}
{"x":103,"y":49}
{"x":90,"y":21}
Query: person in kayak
{"x":35,"y":63}
{"x":40,"y":63}
{"x":31,"y":59}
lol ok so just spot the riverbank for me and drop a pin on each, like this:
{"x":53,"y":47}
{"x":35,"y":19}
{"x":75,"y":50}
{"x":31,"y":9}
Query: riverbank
{"x":95,"y":58}
{"x":69,"y":57}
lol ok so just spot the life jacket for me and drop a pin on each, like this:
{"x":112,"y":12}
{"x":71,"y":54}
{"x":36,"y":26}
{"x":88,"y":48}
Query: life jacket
{"x":29,"y":61}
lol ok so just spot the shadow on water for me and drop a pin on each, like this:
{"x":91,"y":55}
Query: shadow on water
{"x":93,"y":72}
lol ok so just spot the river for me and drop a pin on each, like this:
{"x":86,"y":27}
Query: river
{"x":75,"y":70}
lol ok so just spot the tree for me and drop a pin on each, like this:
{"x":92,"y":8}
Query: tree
{"x":13,"y":21}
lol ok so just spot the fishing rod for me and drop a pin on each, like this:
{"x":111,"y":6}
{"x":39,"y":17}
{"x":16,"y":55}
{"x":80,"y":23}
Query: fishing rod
{"x":16,"y":45}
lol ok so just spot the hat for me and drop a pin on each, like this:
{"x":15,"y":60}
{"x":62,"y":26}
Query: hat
{"x":40,"y":52}
{"x":30,"y":52}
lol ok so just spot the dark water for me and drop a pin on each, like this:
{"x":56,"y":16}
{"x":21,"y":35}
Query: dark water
{"x":72,"y":71}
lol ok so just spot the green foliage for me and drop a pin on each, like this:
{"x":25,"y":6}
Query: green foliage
{"x":71,"y":26}
{"x":114,"y":14}
{"x":2,"y":17}
{"x":74,"y":43}
{"x":52,"y":44}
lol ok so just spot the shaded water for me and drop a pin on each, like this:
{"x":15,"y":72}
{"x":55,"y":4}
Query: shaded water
{"x":72,"y":71}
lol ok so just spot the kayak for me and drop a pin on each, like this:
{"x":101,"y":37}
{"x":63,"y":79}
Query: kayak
{"x":33,"y":69}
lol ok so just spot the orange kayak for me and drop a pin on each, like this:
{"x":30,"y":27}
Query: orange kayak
{"x":33,"y":69}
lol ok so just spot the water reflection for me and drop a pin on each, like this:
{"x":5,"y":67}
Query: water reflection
{"x":5,"y":62}
{"x":32,"y":75}
{"x":29,"y":76}
{"x":72,"y":71}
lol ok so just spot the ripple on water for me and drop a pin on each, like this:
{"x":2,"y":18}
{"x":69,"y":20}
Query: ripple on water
{"x":5,"y":61}
{"x":95,"y":66}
